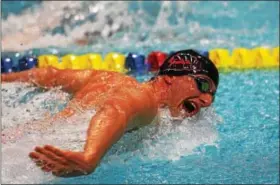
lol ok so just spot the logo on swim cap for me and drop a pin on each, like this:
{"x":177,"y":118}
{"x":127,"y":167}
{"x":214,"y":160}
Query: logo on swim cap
{"x":189,"y":62}
{"x":186,"y":61}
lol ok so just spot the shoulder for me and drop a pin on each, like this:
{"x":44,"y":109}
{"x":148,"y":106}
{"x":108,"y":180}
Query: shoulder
{"x":115,"y":76}
{"x":134,"y":93}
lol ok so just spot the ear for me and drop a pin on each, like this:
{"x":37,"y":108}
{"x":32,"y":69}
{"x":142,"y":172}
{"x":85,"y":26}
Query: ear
{"x":168,"y":79}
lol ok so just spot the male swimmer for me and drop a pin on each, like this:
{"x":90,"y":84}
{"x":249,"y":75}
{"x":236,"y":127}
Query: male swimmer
{"x":185,"y":82}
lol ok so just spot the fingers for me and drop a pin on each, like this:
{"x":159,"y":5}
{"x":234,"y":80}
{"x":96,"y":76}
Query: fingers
{"x":63,"y":172}
{"x":42,"y":161}
{"x":46,"y":169}
{"x":58,"y":172}
{"x":53,"y":160}
{"x":54,"y":150}
{"x":34,"y":155}
{"x":51,"y":155}
{"x":47,"y":160}
{"x":63,"y":156}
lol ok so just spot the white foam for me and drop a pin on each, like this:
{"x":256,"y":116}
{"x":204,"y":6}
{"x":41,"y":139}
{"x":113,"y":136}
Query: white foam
{"x":138,"y":29}
{"x":170,"y":139}
{"x":27,"y":30}
{"x":35,"y":129}
{"x":13,"y":101}
{"x":19,"y":35}
{"x":18,"y":168}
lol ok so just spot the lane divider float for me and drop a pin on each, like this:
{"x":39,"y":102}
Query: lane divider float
{"x":225,"y":60}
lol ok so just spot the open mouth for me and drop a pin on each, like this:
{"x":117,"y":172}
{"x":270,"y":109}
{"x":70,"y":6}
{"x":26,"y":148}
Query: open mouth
{"x":190,"y":108}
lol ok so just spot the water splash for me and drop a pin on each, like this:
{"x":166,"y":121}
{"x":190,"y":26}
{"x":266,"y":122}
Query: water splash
{"x":23,"y":130}
{"x":164,"y":139}
{"x":168,"y":139}
{"x":29,"y":102}
{"x":139,"y":26}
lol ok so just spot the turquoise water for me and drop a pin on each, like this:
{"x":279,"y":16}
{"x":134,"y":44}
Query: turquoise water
{"x":246,"y":142}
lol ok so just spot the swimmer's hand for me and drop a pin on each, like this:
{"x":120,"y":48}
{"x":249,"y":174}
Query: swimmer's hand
{"x":61,"y":163}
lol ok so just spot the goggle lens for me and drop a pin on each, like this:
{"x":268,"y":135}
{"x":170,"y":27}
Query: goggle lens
{"x":203,"y":85}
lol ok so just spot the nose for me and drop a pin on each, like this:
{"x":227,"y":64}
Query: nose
{"x":205,"y":99}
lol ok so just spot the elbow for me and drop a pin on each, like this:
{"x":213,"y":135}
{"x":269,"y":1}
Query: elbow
{"x":119,"y":114}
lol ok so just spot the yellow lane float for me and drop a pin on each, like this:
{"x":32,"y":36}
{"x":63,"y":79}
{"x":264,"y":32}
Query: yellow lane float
{"x":221,"y":58}
{"x":47,"y":60}
{"x":243,"y":58}
{"x":262,"y":58}
{"x":70,"y":61}
{"x":115,"y":62}
{"x":275,"y":54}
{"x":91,"y":61}
{"x":225,"y":60}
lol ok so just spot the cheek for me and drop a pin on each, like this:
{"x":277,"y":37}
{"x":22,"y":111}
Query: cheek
{"x":177,"y":95}
{"x":181,"y":92}
{"x":190,"y":88}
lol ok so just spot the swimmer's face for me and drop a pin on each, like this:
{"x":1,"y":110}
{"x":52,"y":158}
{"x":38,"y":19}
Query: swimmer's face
{"x":187,"y":94}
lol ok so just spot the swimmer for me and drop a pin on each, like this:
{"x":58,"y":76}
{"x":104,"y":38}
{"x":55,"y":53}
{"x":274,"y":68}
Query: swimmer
{"x":185,"y":82}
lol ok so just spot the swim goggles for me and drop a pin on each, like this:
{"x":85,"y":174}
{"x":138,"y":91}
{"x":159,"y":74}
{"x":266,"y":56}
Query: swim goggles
{"x":204,"y":85}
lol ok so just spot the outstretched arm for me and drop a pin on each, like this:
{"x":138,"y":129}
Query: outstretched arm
{"x":106,"y":128}
{"x":69,"y":80}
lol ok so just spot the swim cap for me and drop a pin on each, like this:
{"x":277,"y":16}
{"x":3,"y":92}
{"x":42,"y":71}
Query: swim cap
{"x":187,"y":62}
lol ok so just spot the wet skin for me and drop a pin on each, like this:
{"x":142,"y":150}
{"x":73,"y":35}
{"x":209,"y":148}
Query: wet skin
{"x":118,"y":99}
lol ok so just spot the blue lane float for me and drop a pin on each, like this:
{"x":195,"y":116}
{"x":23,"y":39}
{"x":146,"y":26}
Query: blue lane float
{"x":135,"y":63}
{"x":27,"y":62}
{"x":6,"y":65}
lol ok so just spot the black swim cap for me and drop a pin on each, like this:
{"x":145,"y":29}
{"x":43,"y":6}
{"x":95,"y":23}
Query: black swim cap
{"x":189,"y":62}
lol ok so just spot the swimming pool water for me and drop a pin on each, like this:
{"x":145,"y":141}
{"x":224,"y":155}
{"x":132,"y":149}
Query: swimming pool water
{"x":234,"y":141}
{"x":246,"y":151}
